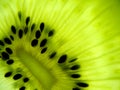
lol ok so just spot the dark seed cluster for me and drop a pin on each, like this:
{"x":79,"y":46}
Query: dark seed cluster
{"x":17,"y":77}
{"x":38,"y":34}
{"x":62,"y":59}
{"x":5,"y":55}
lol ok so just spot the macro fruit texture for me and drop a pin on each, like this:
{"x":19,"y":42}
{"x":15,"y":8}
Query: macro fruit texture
{"x":59,"y":45}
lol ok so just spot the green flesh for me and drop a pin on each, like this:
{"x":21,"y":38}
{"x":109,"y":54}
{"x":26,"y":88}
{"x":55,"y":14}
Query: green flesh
{"x":44,"y":76}
{"x":88,"y":30}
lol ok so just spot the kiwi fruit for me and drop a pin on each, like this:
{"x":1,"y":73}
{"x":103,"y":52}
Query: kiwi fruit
{"x":59,"y":45}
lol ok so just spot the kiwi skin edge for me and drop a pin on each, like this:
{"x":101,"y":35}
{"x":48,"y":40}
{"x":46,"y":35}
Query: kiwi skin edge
{"x":59,"y":45}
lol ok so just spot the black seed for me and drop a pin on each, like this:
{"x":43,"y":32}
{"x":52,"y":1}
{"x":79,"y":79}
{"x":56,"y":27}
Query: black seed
{"x":19,"y":15}
{"x":26,"y":79}
{"x":7,"y":40}
{"x":33,"y":26}
{"x":43,"y":42}
{"x":75,"y":88}
{"x":13,"y":29}
{"x":27,"y":20}
{"x":9,"y":50}
{"x":82,"y":84}
{"x":51,"y":33}
{"x":22,"y":88}
{"x":8,"y":74}
{"x":37,"y":34}
{"x":17,"y":76}
{"x":75,"y":75}
{"x":43,"y":50}
{"x":75,"y":67}
{"x":41,"y":26}
{"x":9,"y":62}
{"x":5,"y":56}
{"x":73,"y":60}
{"x":62,"y":59}
{"x":11,"y":37}
{"x":1,"y":43}
{"x":26,"y":30}
{"x":34,"y":42}
{"x":20,"y":33}
{"x":52,"y":55}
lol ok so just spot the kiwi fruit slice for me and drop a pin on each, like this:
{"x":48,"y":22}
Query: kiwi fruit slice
{"x":59,"y":45}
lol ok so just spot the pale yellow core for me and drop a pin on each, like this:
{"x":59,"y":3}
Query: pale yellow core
{"x":37,"y":69}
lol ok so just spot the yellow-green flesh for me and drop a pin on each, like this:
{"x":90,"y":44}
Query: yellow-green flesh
{"x":88,"y":30}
